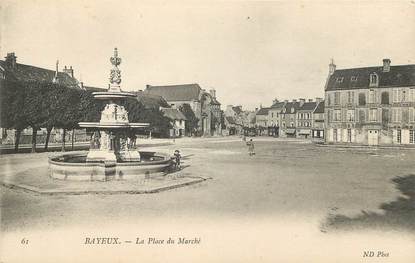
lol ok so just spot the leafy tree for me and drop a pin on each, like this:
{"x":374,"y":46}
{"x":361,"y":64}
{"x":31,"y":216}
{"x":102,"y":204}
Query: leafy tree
{"x":12,"y":101}
{"x":192,"y":123}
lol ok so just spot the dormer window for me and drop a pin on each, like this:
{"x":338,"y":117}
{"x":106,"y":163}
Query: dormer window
{"x":373,"y":79}
{"x":339,"y":80}
{"x":353,"y":78}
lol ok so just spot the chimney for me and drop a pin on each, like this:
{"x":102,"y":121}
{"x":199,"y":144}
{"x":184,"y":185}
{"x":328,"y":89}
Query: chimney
{"x":148,"y":86}
{"x":332,"y":67}
{"x":386,"y":65}
{"x":310,"y":100}
{"x":10,"y":60}
{"x":302,"y":101}
{"x":275,"y":101}
{"x":213,"y":93}
{"x":82,"y":85}
{"x":318,"y":100}
{"x":285,"y":101}
{"x":294,"y":100}
{"x":68,"y":71}
{"x":55,"y":78}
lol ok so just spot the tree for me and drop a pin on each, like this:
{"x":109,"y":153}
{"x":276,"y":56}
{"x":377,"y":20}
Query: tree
{"x":192,"y":123}
{"x":11,"y":108}
{"x":35,"y":107}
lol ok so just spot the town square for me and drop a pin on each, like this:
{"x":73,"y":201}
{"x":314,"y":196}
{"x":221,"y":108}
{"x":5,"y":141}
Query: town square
{"x":207,"y":132}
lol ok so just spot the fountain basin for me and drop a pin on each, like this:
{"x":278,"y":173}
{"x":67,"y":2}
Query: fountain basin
{"x":73,"y":166}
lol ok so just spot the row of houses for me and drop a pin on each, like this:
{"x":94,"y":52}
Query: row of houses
{"x":366,"y":106}
{"x":297,"y":118}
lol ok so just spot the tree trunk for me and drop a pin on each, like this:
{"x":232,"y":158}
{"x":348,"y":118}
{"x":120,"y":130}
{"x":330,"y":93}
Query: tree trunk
{"x":63,"y":140}
{"x":34,"y":135}
{"x":17,"y":140}
{"x":48,"y":130}
{"x":73,"y":137}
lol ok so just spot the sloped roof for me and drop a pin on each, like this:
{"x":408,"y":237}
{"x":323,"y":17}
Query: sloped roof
{"x":308,"y":106}
{"x":150,"y":100}
{"x":278,"y":105}
{"x":22,"y":72}
{"x":237,"y":109}
{"x":230,"y":120}
{"x":263,"y":111}
{"x":402,"y":76}
{"x":184,"y":92}
{"x":320,"y":107}
{"x":173,"y":114}
{"x":94,"y":89}
{"x":291,"y":105}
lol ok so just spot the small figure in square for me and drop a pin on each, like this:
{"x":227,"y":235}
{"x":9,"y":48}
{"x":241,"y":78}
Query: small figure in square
{"x":251,"y":147}
{"x":177,"y":158}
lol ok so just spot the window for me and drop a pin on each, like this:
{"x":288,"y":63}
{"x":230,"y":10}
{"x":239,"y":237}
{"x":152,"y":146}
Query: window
{"x":399,"y":136}
{"x":362,"y":99}
{"x":385,"y":98}
{"x":396,"y":95}
{"x":350,"y":115}
{"x":272,"y":115}
{"x":374,"y":80}
{"x":337,"y":115}
{"x":335,"y":135}
{"x":337,"y":98}
{"x":339,"y":80}
{"x":292,"y":124}
{"x":372,"y":96}
{"x":404,"y":96}
{"x":412,"y":136}
{"x":349,"y":135}
{"x":412,"y":95}
{"x":350,"y":97}
{"x":353,"y":78}
{"x":373,"y":113}
{"x":396,"y":115}
{"x":329,"y":99}
{"x":362,"y":115}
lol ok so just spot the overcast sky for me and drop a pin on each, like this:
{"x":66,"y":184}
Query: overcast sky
{"x":250,"y":52}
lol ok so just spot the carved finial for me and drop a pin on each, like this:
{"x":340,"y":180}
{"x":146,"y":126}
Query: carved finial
{"x":115,"y":75}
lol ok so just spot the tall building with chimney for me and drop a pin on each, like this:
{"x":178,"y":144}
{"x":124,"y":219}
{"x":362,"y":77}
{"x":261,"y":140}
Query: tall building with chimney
{"x":370,"y":105}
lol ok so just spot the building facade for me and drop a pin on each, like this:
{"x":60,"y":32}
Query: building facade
{"x":304,"y":121}
{"x":204,"y":104}
{"x":261,"y":121}
{"x":318,"y":127}
{"x":371,"y":105}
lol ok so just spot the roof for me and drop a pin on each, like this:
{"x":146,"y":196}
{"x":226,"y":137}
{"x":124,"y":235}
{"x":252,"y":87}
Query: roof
{"x":320,"y":107}
{"x":94,"y":89}
{"x":278,"y":105}
{"x":237,"y":109}
{"x":185,"y":92}
{"x":262,"y":111}
{"x":308,"y":106}
{"x":22,"y":72}
{"x":230,"y":120}
{"x":291,"y":105}
{"x":150,"y":100}
{"x":173,"y":114}
{"x":402,"y":76}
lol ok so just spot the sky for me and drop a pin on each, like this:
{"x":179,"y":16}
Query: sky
{"x":250,"y":52}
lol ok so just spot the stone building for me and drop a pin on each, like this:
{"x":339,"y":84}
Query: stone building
{"x":274,"y":120}
{"x":204,"y":104}
{"x":371,"y":105}
{"x":318,"y":121}
{"x":178,"y":121}
{"x":288,"y":118}
{"x":261,"y":121}
{"x":304,"y":120}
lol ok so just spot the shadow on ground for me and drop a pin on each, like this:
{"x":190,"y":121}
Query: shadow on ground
{"x":396,"y":215}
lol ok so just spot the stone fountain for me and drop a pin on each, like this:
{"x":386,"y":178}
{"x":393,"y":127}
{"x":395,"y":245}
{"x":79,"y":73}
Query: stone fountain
{"x":111,"y":154}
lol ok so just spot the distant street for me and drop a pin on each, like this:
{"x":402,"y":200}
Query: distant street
{"x":319,"y":184}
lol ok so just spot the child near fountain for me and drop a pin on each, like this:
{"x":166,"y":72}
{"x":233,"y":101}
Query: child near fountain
{"x":177,"y":158}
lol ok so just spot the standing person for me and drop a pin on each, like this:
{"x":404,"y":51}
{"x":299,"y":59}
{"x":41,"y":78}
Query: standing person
{"x":251,"y":147}
{"x":177,"y":158}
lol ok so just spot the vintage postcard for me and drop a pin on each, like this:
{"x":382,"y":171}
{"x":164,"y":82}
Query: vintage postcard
{"x":207,"y":131}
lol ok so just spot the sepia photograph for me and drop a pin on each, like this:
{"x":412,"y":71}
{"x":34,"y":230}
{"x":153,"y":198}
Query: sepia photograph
{"x":207,"y":131}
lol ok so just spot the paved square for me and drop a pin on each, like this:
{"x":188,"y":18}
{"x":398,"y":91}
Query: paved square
{"x":327,"y":186}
